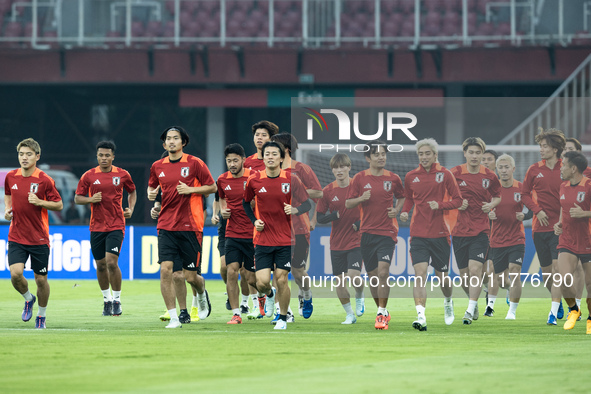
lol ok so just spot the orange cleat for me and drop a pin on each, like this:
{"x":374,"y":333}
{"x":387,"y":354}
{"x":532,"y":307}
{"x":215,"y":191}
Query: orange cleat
{"x":571,"y":319}
{"x":381,"y":323}
{"x":262,"y":301}
{"x":235,"y":320}
{"x":588,"y":327}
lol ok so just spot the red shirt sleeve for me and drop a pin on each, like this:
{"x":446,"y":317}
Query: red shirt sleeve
{"x":203,"y":174}
{"x":398,"y":188}
{"x":354,"y":189}
{"x":248,"y":189}
{"x":299,"y":191}
{"x":453,"y":191}
{"x":322,"y":206}
{"x":495,"y":186}
{"x":128,"y":184}
{"x":153,"y":181}
{"x":83,"y":186}
{"x":51,"y":193}
{"x":221,"y":193}
{"x":409,"y":202}
{"x":6,"y":187}
{"x":526,"y":188}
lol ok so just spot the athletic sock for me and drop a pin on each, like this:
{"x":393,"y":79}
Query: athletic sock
{"x":41,"y":312}
{"x":420,"y":309}
{"x":255,"y":300}
{"x":472,"y":306}
{"x":28,"y":296}
{"x":283,"y":317}
{"x":575,"y":308}
{"x":107,"y":295}
{"x":270,"y":295}
{"x":359,"y":293}
{"x":347,"y":307}
{"x":173,"y":315}
{"x":491,"y":300}
{"x":513,"y":306}
{"x":236,"y":312}
{"x":578,"y":301}
{"x":554,"y":309}
{"x":382,"y":311}
{"x":117,"y":296}
{"x":447,"y":300}
{"x":244,"y":300}
{"x":201,"y":296}
{"x":195,"y":301}
{"x":289,"y":310}
{"x":307,"y":295}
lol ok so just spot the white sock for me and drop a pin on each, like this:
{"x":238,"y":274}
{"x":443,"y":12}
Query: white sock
{"x":173,"y":315}
{"x":107,"y":295}
{"x":236,"y":312}
{"x":578,"y":301}
{"x":116,"y":295}
{"x":244,"y":300}
{"x":41,"y":312}
{"x":195,"y":301}
{"x":359,"y":293}
{"x":289,"y":309}
{"x":301,"y":292}
{"x":555,"y":306}
{"x":513,"y":306}
{"x":491,"y":300}
{"x":383,"y":311}
{"x":420,"y":309}
{"x":255,"y":300}
{"x":307,"y":295}
{"x":472,"y":306}
{"x":447,"y":300}
{"x":347,"y":307}
{"x":201,"y":296}
{"x":28,"y":296}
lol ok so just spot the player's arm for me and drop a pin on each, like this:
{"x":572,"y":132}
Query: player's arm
{"x":85,"y":200}
{"x":49,"y":205}
{"x":393,"y":212}
{"x":300,"y":210}
{"x":324,"y":218}
{"x":183,"y":188}
{"x":409,"y":201}
{"x":225,"y":211}
{"x":577,"y":212}
{"x":489,"y":206}
{"x":215,"y":218}
{"x":353,"y":202}
{"x":454,"y":192}
{"x":314,"y":194}
{"x":558,"y":226}
{"x":8,"y":207}
{"x":131,"y":200}
{"x":526,"y":197}
{"x":153,"y":192}
{"x":155,"y":211}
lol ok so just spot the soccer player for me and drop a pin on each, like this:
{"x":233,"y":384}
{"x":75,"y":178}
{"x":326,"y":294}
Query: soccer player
{"x":262,"y":132}
{"x":480,"y":189}
{"x":374,"y":189}
{"x":507,"y":239}
{"x":540,"y":194}
{"x":278,"y":195}
{"x":183,"y":178}
{"x":102,"y":188}
{"x":239,"y":249}
{"x":301,"y":223}
{"x":572,"y":144}
{"x":489,"y":159}
{"x":29,"y":193}
{"x":432,"y":190}
{"x":345,"y":251}
{"x":573,"y":227}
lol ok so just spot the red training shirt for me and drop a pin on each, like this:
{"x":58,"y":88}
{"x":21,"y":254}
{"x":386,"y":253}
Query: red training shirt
{"x":342,"y":235}
{"x":437,"y":185}
{"x":506,"y":230}
{"x":30,"y":224}
{"x":540,"y":192}
{"x":253,"y":162}
{"x":180,"y":212}
{"x":374,"y":214}
{"x":301,"y":224}
{"x":232,"y":190}
{"x":106,"y":215}
{"x":476,"y":188}
{"x":575,"y":231}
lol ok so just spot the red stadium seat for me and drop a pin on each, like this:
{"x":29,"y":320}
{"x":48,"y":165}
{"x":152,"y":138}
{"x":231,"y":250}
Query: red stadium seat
{"x":407,"y":6}
{"x":388,"y":6}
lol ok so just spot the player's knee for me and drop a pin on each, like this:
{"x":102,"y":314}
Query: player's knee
{"x":40,"y":280}
{"x":281,"y":280}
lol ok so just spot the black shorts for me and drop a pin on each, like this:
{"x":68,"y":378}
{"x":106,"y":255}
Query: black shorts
{"x":222,"y":237}
{"x":470,"y":248}
{"x":181,"y":246}
{"x":546,"y":245}
{"x":272,"y":256}
{"x":344,"y":260}
{"x":376,"y":248}
{"x":241,"y":251}
{"x":102,"y":243}
{"x":300,"y":251}
{"x":502,"y":257}
{"x":433,"y":250}
{"x":585,"y":258}
{"x":19,"y":253}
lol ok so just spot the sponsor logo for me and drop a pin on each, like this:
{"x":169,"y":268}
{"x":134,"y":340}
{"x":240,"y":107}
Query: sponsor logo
{"x":116,"y":180}
{"x":15,"y":187}
{"x":192,"y":265}
{"x":263,"y":190}
{"x":562,"y":197}
{"x":385,"y":258}
{"x":439,"y":177}
{"x":97,"y":182}
{"x":519,"y":260}
{"x":185,"y":172}
{"x":481,"y":255}
{"x":416,"y":179}
{"x":335,"y":198}
{"x":463,"y":183}
{"x":34,"y":187}
{"x":228,"y":188}
{"x":115,"y":249}
{"x":387,"y":185}
{"x":287,"y":265}
{"x":368,"y":186}
{"x":161,"y":175}
{"x":285,"y":188}
{"x":356,"y":265}
{"x":540,"y":175}
{"x":43,"y":270}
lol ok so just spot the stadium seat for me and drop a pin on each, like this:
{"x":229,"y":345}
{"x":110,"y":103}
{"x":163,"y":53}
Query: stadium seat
{"x":154,"y":29}
{"x":388,"y":7}
{"x":407,"y":6}
{"x":580,"y":39}
{"x":452,"y":5}
{"x":137,"y":29}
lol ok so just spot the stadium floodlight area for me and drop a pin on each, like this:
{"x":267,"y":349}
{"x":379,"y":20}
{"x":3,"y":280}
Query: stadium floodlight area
{"x":406,"y":160}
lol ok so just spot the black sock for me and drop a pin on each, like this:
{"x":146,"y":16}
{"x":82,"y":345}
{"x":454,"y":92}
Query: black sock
{"x":283,"y":317}
{"x":574,"y":308}
{"x":589,"y":318}
{"x":270,"y":294}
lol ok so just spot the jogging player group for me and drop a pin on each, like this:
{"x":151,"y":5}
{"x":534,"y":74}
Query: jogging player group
{"x":267,"y":204}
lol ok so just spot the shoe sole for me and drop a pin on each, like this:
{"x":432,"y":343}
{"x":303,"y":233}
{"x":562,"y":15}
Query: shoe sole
{"x":467,"y":322}
{"x":488,"y":315}
{"x":417,"y":326}
{"x":164,"y":318}
{"x":208,"y":303}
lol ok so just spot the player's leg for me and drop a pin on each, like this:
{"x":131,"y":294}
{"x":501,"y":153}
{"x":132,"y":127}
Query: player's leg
{"x":500,"y":258}
{"x":419,"y":291}
{"x":461,"y":248}
{"x":300,"y":276}
{"x":338,"y":259}
{"x":167,"y":253}
{"x":233,"y":270}
{"x":567,"y":264}
{"x":244,"y":291}
{"x":587,"y":270}
{"x":355,"y":262}
{"x":247,"y":256}
{"x":264,"y":258}
{"x":478,"y":246}
{"x":180,"y":290}
{"x":17,"y":256}
{"x":98,"y":248}
{"x":282,"y":264}
{"x":545,"y":244}
{"x":514,"y":280}
{"x":40,"y":265}
{"x":579,"y":283}
{"x":113,"y":242}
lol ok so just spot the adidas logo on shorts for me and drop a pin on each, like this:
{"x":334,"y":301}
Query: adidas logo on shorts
{"x":115,"y":249}
{"x":287,"y":265}
{"x":416,"y":179}
{"x":356,"y":265}
{"x":192,"y":265}
{"x":519,"y":260}
{"x":97,"y":182}
{"x":43,"y":270}
{"x":335,"y":198}
{"x":228,"y":188}
{"x":481,"y":255}
{"x":386,"y":258}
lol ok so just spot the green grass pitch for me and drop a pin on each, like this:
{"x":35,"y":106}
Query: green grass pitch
{"x":82,"y":351}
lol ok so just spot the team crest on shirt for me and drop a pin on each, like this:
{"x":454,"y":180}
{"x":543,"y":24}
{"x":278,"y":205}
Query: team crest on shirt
{"x":185,"y":172}
{"x":581,"y":197}
{"x":517,"y":196}
{"x":285,"y":188}
{"x":485,"y":183}
{"x":34,"y":188}
{"x":116,"y":180}
{"x":439,"y":177}
{"x":387,"y":185}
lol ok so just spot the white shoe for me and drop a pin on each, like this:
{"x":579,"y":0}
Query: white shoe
{"x":359,"y":306}
{"x":281,"y":325}
{"x":475,"y":314}
{"x":290,"y":317}
{"x":448,"y":309}
{"x":204,"y":307}
{"x":421,"y":323}
{"x":510,"y":316}
{"x":174,"y":324}
{"x":270,"y":304}
{"x":351,"y":319}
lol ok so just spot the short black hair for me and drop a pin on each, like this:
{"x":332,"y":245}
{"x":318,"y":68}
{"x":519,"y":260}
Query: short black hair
{"x":182,"y":132}
{"x":373,"y":147}
{"x":106,"y":145}
{"x":271,"y":127}
{"x":576,"y":142}
{"x":276,"y":144}
{"x":577,"y":159}
{"x":492,"y":152}
{"x":288,"y":140}
{"x":237,"y":149}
